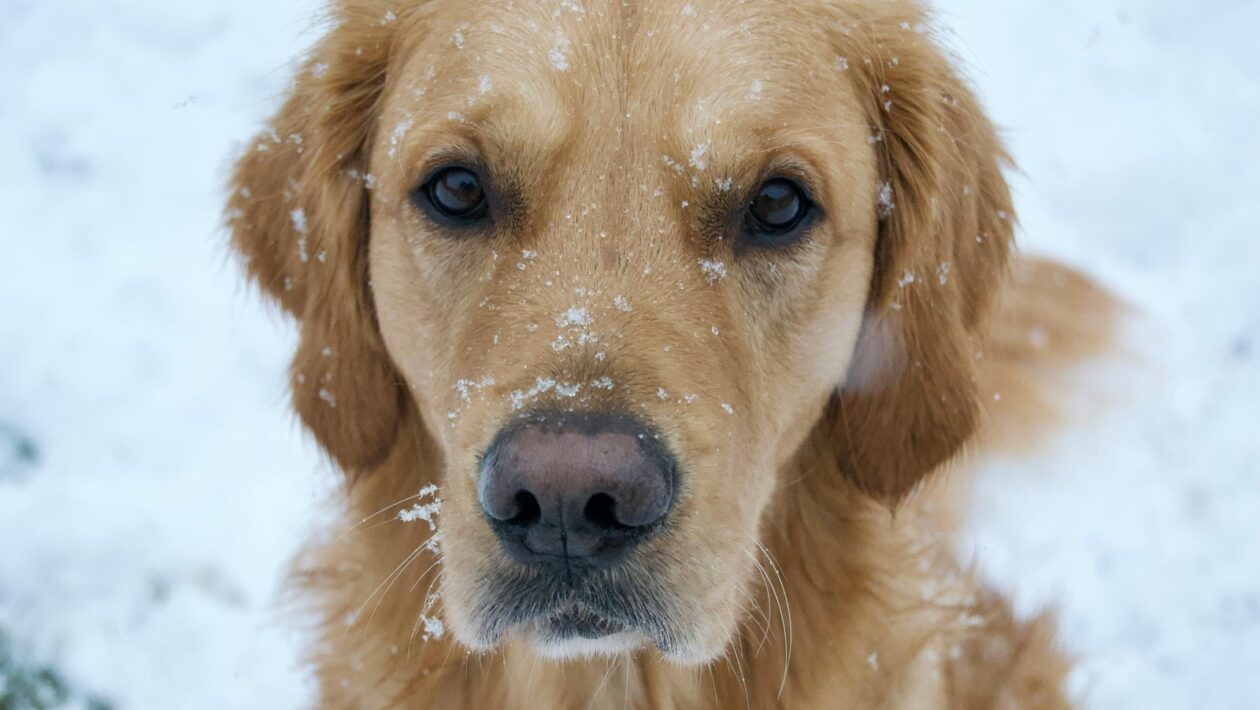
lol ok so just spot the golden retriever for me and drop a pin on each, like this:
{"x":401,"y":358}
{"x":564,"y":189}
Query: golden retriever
{"x":637,"y":328}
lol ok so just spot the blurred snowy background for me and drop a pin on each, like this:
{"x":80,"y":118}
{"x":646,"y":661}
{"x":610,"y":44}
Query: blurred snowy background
{"x":153,"y":482}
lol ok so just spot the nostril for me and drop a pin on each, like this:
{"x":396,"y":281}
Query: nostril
{"x":528,"y":511}
{"x":601,"y":510}
{"x":559,"y":488}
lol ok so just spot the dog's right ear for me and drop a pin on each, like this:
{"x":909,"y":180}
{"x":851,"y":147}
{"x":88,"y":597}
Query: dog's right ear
{"x":299,"y":216}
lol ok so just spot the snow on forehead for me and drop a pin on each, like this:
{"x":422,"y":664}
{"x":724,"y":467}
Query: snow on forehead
{"x":467,"y":71}
{"x":597,"y":45}
{"x":560,"y":35}
{"x":696,"y":71}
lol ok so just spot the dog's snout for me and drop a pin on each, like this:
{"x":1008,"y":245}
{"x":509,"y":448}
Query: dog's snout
{"x":578,"y":489}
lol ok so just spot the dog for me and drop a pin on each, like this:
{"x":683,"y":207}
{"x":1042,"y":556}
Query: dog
{"x":649,"y":337}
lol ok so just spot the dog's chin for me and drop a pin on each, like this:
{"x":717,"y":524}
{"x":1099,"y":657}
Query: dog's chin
{"x":576,"y":633}
{"x":565,"y":636}
{"x":580,"y":635}
{"x":578,"y":647}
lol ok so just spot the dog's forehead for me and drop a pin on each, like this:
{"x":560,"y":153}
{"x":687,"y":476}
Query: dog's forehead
{"x":680,"y":75}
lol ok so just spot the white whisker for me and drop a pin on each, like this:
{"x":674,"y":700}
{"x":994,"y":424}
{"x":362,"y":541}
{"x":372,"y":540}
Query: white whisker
{"x":359,"y":524}
{"x":786,"y":609}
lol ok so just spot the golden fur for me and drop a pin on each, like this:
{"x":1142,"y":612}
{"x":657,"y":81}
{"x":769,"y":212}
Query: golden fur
{"x":809,"y":393}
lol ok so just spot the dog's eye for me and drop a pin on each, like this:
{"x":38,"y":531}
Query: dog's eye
{"x":453,"y":196}
{"x":777,"y":210}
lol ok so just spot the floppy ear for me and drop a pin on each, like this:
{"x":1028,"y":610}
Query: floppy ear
{"x":910,"y":401}
{"x":298,"y":214}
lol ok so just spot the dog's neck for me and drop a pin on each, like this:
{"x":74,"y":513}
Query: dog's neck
{"x":845,"y":611}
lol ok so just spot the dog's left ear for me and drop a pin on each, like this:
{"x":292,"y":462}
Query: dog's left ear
{"x":299,"y":215}
{"x":910,"y":401}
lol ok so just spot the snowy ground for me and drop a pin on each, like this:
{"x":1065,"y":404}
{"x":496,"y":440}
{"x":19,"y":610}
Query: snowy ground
{"x":152,"y":481}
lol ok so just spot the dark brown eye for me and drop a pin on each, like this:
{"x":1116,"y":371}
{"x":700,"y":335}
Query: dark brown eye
{"x":453,"y":196}
{"x":778,"y":208}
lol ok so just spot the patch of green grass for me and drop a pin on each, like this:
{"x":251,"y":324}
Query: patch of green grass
{"x":32,"y":686}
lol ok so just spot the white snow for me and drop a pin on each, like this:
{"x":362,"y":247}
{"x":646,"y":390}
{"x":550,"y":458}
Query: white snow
{"x":575,"y":316}
{"x":542,"y":385}
{"x":886,"y":200}
{"x":299,"y":224}
{"x":713,"y":271}
{"x":434,"y":629}
{"x":142,"y":553}
{"x":426,"y":511}
{"x":466,"y":387}
{"x":559,"y":54}
{"x":573,"y":7}
{"x":145,"y":539}
{"x":397,"y":135}
{"x":696,"y":159}
{"x":1134,"y":126}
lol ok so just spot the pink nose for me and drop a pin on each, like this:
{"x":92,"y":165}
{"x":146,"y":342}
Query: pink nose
{"x":576,"y":489}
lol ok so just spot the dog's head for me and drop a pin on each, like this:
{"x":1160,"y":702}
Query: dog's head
{"x":618,"y":261}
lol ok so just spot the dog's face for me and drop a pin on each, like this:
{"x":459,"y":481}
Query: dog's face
{"x":620,"y":259}
{"x":678,"y":230}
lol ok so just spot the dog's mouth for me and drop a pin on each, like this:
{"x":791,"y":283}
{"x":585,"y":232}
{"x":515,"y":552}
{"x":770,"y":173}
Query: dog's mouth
{"x":575,"y":631}
{"x":577,"y":622}
{"x":594,"y":614}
